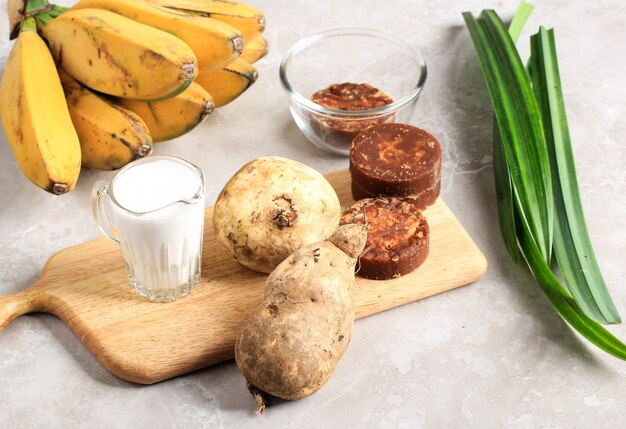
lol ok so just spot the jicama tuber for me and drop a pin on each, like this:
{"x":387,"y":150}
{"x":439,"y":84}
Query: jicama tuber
{"x":270,"y":208}
{"x":292,"y":344}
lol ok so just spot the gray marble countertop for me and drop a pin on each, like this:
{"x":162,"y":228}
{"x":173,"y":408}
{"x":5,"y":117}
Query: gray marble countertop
{"x":491,"y":354}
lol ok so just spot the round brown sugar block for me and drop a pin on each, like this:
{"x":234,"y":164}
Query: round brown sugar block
{"x":421,"y":201}
{"x":395,"y":160}
{"x":398,"y":237}
{"x":358,"y":193}
{"x":349,"y":97}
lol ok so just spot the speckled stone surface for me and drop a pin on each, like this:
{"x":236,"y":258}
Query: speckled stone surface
{"x":490,"y":355}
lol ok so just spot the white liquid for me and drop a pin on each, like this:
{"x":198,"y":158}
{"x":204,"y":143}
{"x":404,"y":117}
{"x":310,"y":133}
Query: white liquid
{"x":161,"y":236}
{"x":152,"y":185}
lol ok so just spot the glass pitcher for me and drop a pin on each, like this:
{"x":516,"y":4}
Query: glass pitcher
{"x":154,"y":209}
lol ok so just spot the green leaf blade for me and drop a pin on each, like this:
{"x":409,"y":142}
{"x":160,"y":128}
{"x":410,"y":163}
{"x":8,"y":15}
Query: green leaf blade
{"x":504,"y":198}
{"x":572,"y":244}
{"x":519,"y":20}
{"x":563,"y":302}
{"x":519,"y":122}
{"x":527,"y":154}
{"x":502,"y":177}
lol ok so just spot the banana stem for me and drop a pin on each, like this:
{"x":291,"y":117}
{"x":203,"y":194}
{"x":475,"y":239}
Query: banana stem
{"x":33,"y":7}
{"x":57,"y":10}
{"x":43,"y":19}
{"x":29,"y":24}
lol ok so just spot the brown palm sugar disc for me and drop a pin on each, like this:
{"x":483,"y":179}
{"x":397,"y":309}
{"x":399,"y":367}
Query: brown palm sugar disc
{"x":398,"y":237}
{"x":351,"y":96}
{"x":348,"y":97}
{"x":421,"y":201}
{"x":395,"y":160}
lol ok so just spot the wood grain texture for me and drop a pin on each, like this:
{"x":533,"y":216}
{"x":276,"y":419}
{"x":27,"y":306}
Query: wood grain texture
{"x":143,"y":342}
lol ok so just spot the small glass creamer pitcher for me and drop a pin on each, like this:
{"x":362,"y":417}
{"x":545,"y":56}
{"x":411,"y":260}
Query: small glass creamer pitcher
{"x":154,"y":209}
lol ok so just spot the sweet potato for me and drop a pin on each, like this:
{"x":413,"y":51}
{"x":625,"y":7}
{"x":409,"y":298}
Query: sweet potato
{"x":292,"y":344}
{"x":270,"y":208}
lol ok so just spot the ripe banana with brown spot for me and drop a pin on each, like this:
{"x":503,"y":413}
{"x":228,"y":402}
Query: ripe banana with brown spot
{"x":118,"y":56}
{"x":254,"y":50}
{"x":171,"y":118}
{"x":110,"y":135}
{"x":227,"y":84}
{"x":215,"y":43}
{"x":247,"y":19}
{"x":35,"y":116}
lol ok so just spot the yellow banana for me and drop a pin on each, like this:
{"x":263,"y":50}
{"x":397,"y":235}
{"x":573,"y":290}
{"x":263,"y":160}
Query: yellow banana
{"x":247,"y":19}
{"x":256,"y":49}
{"x":171,"y":118}
{"x":35,"y":117}
{"x":110,"y":135}
{"x":214,"y":43}
{"x":228,"y":83}
{"x":118,"y":56}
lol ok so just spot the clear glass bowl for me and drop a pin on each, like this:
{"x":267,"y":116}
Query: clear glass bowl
{"x":356,"y":55}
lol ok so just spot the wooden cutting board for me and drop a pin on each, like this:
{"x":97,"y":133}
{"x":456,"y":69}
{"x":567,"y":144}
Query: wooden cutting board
{"x":87,"y":287}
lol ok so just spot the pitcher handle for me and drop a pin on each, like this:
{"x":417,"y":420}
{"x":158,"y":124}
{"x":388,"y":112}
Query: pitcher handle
{"x":99,"y":192}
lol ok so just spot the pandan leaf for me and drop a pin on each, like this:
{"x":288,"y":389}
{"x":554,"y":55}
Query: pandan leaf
{"x":521,"y":130}
{"x":504,"y":187}
{"x":519,"y":122}
{"x":572,"y":245}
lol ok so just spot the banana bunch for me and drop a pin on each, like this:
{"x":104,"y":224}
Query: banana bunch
{"x":97,"y":84}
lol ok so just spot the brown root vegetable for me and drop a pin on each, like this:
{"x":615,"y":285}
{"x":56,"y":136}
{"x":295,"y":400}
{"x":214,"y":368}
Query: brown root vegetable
{"x":292,"y":344}
{"x":270,"y":208}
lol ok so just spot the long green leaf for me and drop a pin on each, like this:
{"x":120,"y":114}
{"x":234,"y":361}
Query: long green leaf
{"x":519,"y":122}
{"x":563,"y":302}
{"x":572,"y":245}
{"x":529,"y":242}
{"x":504,"y":197}
{"x":504,"y":188}
{"x":527,"y":159}
{"x":519,"y":20}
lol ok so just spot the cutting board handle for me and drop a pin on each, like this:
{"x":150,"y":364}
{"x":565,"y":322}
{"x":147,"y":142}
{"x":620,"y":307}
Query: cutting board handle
{"x":23,"y":302}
